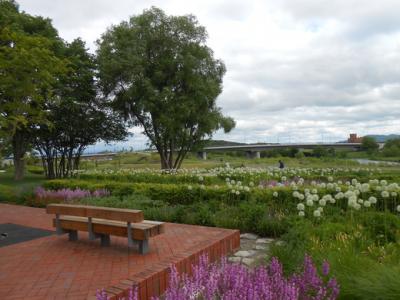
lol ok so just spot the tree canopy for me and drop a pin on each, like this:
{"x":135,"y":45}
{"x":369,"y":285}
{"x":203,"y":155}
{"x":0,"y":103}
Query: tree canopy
{"x":369,"y":144}
{"x":158,"y":73}
{"x":78,"y":118}
{"x":28,"y":68}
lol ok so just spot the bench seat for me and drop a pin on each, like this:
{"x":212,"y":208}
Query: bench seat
{"x":140,"y":231}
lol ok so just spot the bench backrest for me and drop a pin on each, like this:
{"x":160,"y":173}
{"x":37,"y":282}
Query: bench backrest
{"x":108,"y":213}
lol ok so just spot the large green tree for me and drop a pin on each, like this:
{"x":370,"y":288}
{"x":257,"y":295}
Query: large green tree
{"x":159,"y":73}
{"x":29,"y":67}
{"x":369,"y":144}
{"x":78,"y":118}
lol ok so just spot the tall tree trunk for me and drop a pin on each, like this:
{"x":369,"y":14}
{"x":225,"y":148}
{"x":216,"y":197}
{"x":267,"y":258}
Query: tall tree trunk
{"x":19,"y":145}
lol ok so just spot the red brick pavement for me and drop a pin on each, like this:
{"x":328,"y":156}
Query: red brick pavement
{"x":54,"y":268}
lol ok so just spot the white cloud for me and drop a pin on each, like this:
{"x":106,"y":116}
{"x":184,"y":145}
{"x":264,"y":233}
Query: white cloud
{"x":304,"y":70}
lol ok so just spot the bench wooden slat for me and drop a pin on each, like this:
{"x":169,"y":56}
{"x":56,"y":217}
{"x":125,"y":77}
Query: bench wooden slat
{"x":140,"y":231}
{"x":69,"y":210}
{"x":118,"y":214}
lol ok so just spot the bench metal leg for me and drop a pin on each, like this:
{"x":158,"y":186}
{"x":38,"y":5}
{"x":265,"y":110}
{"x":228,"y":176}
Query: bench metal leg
{"x":73,"y":235}
{"x":104,"y":239}
{"x":144,"y":247}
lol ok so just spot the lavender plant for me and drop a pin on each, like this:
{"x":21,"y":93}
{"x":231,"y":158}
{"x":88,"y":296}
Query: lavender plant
{"x":227,"y":281}
{"x":67,"y":195}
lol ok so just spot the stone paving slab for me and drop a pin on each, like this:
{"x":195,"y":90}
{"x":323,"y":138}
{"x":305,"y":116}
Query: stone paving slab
{"x":54,"y":268}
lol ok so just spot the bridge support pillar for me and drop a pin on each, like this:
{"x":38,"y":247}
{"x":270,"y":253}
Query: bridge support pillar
{"x":253,"y":154}
{"x":202,"y":155}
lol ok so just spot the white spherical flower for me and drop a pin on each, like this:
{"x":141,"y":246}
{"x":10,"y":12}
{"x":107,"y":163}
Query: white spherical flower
{"x":301,"y":197}
{"x":314,"y":191}
{"x":283,"y":178}
{"x":251,"y":183}
{"x":385,"y":194}
{"x":330,"y":178}
{"x":309,"y":202}
{"x":340,"y":182}
{"x":233,"y":191}
{"x":383,"y":182}
{"x":306,"y":191}
{"x":237,"y":193}
{"x":300,"y":206}
{"x":246,"y":188}
{"x":239,"y":183}
{"x":372,"y":199}
{"x":189,"y":187}
{"x":357,"y":206}
{"x":321,"y":209}
{"x":315,"y":198}
{"x":275,"y":194}
{"x":227,"y":179}
{"x":393,"y":194}
{"x":202,"y":187}
{"x":233,"y":181}
{"x":361,"y":201}
{"x":301,"y":213}
{"x":201,"y":178}
{"x":322,"y":202}
{"x":398,"y":208}
{"x":367,"y":203}
{"x":317,"y":213}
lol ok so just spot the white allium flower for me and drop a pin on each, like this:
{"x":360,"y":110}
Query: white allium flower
{"x":301,"y":213}
{"x":372,"y":199}
{"x":398,"y":208}
{"x":339,"y":196}
{"x":202,"y":187}
{"x":354,"y":181}
{"x":283,"y":178}
{"x":361,"y":201}
{"x":357,"y":206}
{"x":201,"y":178}
{"x":383,"y":182}
{"x":251,"y":184}
{"x":300,"y":206}
{"x":367,"y":203}
{"x":315,"y":197}
{"x":322,"y":202}
{"x":314,"y":191}
{"x":393,"y":194}
{"x":233,"y":182}
{"x":233,"y":191}
{"x":237,"y":193}
{"x":301,"y":196}
{"x":227,"y":179}
{"x":330,"y":178}
{"x":385,"y":194}
{"x":317,"y":213}
{"x":340,"y":182}
{"x":309,"y":202}
{"x":275,"y":194}
{"x":246,"y":188}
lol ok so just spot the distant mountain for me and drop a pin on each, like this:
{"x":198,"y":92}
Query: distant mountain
{"x":218,"y":143}
{"x":381,"y":138}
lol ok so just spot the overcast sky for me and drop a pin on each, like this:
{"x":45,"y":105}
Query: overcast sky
{"x":297,"y":70}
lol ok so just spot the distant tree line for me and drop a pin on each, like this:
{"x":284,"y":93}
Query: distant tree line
{"x":154,"y":71}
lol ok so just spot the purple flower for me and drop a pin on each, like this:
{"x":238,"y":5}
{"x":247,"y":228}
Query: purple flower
{"x":227,"y":281}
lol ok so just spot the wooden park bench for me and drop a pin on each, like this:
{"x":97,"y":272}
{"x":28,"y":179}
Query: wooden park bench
{"x":101,"y":222}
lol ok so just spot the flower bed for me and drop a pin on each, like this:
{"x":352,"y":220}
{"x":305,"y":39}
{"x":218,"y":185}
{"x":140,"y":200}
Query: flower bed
{"x":233,"y":281}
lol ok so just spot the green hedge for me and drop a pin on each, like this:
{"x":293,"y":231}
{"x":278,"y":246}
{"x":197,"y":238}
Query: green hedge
{"x":177,"y":194}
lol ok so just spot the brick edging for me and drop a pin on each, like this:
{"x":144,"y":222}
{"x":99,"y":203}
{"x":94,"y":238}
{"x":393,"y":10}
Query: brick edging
{"x":153,"y":281}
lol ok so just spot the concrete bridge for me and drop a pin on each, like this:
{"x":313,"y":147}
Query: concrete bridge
{"x":253,"y":150}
